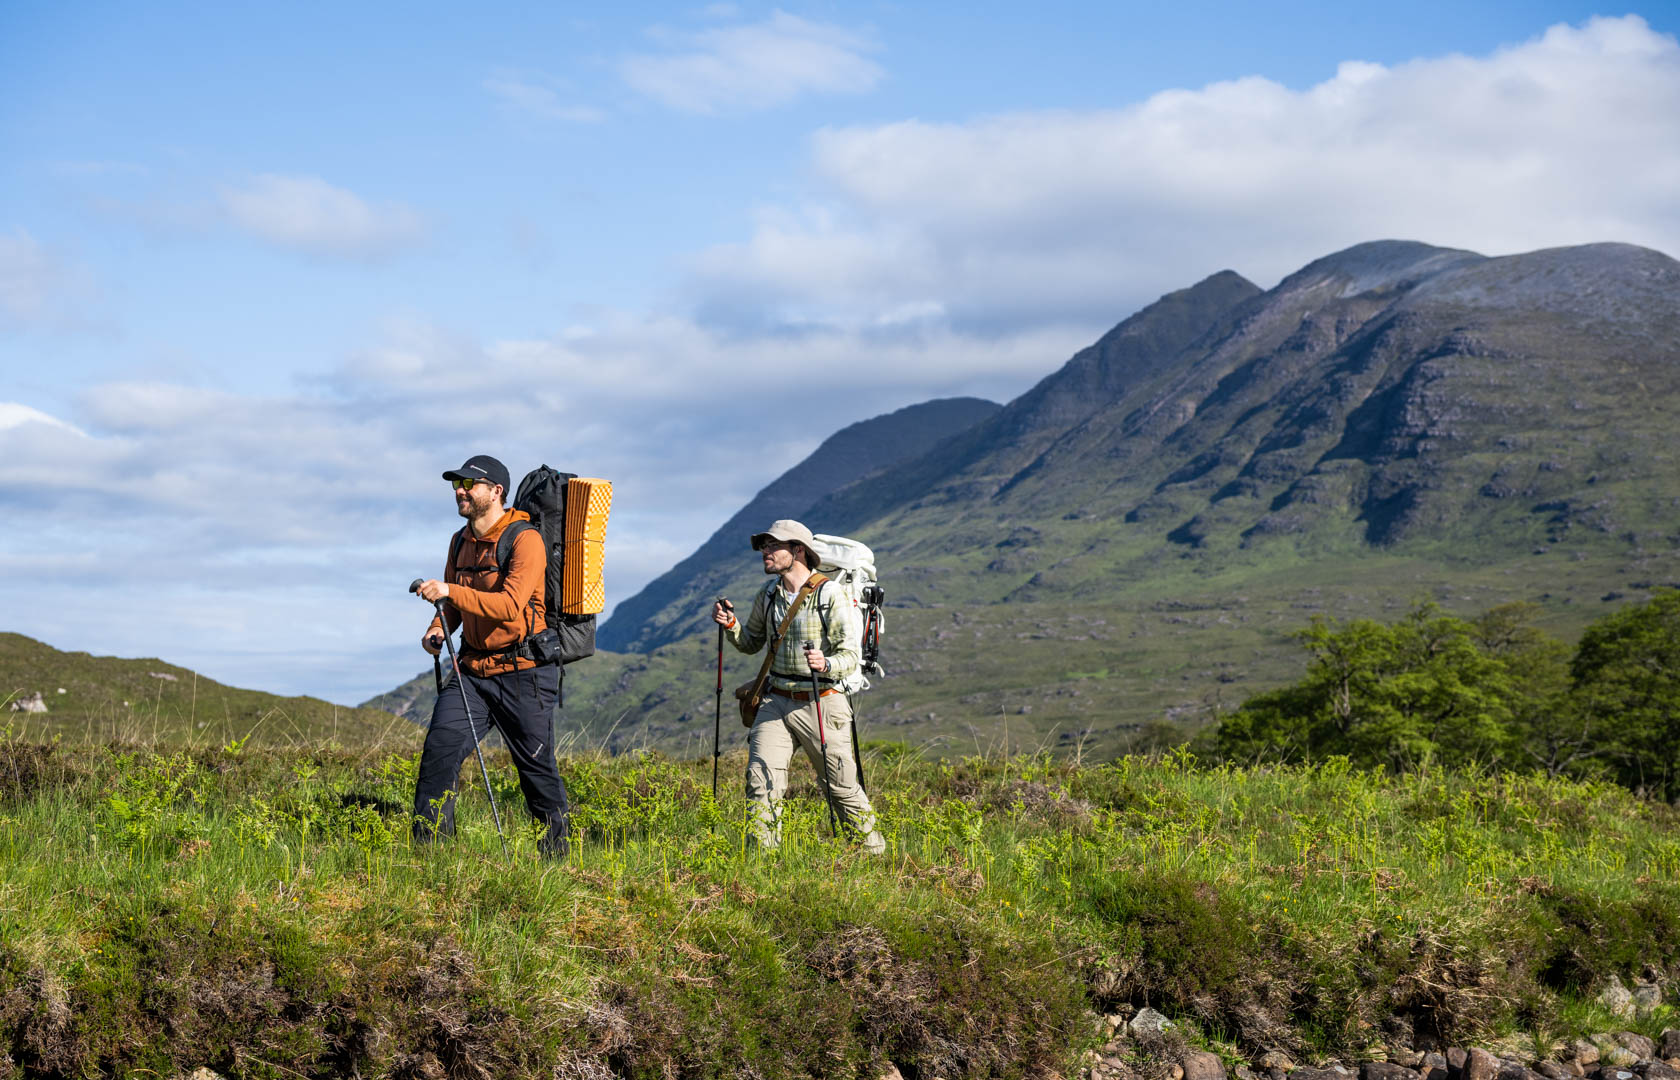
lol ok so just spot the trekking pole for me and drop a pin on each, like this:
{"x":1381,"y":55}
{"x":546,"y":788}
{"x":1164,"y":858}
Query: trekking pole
{"x":857,"y":754}
{"x":471,"y":727}
{"x":717,"y":714}
{"x":822,"y":740}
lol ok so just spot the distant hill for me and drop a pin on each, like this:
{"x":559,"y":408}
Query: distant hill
{"x":672,"y":606}
{"x":106,"y":697}
{"x":1126,"y":548}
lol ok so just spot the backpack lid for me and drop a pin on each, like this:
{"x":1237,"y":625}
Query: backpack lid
{"x":839,"y":553}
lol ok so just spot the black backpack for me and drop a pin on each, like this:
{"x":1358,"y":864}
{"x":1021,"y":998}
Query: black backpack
{"x":542,"y":496}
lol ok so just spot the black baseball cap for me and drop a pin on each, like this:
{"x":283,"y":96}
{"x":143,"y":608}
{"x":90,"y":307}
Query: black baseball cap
{"x":481,"y":467}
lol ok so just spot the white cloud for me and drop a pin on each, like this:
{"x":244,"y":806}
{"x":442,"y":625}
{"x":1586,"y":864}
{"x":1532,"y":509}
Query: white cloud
{"x":40,"y":288}
{"x":13,"y":414}
{"x":1568,"y":138}
{"x":526,"y":95}
{"x":757,"y":66}
{"x":305,"y":213}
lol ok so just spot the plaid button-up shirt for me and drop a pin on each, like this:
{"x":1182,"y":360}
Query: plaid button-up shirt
{"x":842,"y":645}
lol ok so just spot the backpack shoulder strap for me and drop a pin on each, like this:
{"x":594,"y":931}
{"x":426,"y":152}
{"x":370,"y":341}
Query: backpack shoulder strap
{"x":454,"y":549}
{"x":821,"y":579}
{"x":504,"y":543}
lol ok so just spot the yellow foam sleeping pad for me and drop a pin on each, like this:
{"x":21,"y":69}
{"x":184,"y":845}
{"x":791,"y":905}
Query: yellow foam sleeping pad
{"x":588,"y":502}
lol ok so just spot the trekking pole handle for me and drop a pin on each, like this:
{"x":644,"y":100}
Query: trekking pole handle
{"x":414,"y":586}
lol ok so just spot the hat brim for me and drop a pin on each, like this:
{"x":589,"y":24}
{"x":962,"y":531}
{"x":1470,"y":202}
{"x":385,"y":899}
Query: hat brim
{"x":457,"y":474}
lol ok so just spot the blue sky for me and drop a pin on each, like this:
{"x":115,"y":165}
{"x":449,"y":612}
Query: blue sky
{"x":265,"y":272}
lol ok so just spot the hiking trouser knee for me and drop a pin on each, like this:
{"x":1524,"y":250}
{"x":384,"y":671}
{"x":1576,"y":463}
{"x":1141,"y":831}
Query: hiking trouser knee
{"x":770,"y":747}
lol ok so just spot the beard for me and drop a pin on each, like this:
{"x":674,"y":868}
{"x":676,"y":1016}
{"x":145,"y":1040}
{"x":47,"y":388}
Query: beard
{"x":477,"y":503}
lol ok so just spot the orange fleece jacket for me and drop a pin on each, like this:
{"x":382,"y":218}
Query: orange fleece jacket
{"x":495,"y":612}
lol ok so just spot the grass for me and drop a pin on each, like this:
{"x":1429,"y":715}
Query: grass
{"x":261,"y":911}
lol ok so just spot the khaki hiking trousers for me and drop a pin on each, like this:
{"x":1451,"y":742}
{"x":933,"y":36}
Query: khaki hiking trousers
{"x":783,"y":724}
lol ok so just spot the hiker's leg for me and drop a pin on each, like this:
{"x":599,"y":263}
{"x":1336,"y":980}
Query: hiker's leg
{"x":850,"y":802}
{"x":524,"y":710}
{"x":448,"y":742}
{"x":769,"y":748}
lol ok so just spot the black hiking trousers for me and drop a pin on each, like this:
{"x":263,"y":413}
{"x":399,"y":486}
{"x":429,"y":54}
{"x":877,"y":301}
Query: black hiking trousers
{"x":519,"y":704}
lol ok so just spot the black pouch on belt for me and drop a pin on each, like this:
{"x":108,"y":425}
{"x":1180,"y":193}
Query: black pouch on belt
{"x":545,"y":646}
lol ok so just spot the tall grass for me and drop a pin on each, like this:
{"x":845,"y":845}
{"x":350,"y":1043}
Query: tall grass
{"x":264,"y":912}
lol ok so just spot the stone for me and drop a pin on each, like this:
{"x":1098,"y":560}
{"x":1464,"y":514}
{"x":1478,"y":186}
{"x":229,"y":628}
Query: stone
{"x":1513,"y":1070}
{"x":1584,"y":1051}
{"x":1658,"y":1070}
{"x":1647,"y":998}
{"x":1385,"y":1070}
{"x":1639,"y":1044}
{"x":1551,"y":1070}
{"x":1404,"y":1056}
{"x":892,"y":1073}
{"x":1243,"y":1072}
{"x":1620,"y":1058}
{"x":1175,"y":1071}
{"x":1611,"y":1072}
{"x":203,"y":1072}
{"x":1149,"y":1022}
{"x":1308,"y":1073}
{"x":1576,"y":1068}
{"x":1275,"y":1059}
{"x":1113,"y":1022}
{"x":1456,"y":1057}
{"x":1480,"y":1065}
{"x":34,"y":703}
{"x":1201,"y":1065}
{"x":1616,"y":997}
{"x":1668,"y":1043}
{"x":1434,"y":1060}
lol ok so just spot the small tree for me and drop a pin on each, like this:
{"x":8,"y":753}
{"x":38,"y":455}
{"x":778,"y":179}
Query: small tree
{"x":1417,"y":691}
{"x":1627,"y":678}
{"x":1547,"y":727}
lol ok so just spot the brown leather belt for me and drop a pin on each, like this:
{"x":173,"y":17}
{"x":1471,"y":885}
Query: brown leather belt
{"x":801,"y":695}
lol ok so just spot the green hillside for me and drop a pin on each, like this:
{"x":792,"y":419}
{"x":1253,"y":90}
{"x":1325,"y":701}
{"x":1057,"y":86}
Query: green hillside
{"x":103,"y":698}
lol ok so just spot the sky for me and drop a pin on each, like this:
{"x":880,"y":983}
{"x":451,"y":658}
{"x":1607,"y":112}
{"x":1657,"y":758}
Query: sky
{"x":267,"y":270}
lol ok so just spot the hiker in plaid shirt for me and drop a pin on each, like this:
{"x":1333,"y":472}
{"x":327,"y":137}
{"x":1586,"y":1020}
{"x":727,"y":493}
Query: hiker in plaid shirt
{"x":788,"y":717}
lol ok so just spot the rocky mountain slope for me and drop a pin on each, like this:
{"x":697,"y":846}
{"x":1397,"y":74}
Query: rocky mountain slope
{"x":672,"y":606}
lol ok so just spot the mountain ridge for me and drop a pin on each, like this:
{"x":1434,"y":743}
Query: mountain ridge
{"x":647,"y":620}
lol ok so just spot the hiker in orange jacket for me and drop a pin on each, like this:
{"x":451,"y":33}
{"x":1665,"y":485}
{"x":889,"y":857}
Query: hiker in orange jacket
{"x":505,"y":685}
